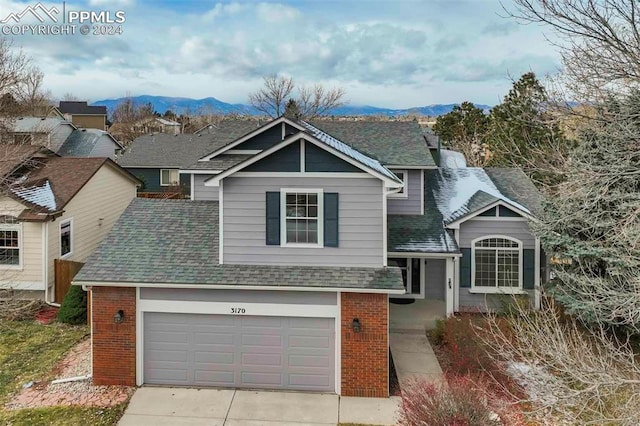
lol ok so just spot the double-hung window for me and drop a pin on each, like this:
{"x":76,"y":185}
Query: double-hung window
{"x":303,"y":217}
{"x":10,"y":245}
{"x":169,"y":177}
{"x":496,"y":264}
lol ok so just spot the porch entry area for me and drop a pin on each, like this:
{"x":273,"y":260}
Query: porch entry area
{"x":429,"y":285}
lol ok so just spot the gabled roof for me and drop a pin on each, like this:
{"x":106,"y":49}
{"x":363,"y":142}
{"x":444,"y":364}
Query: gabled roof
{"x":325,"y":142}
{"x":37,"y":124}
{"x":187,"y":231}
{"x":220,"y":163}
{"x":461,"y":192}
{"x":181,"y":151}
{"x":349,"y":151}
{"x":81,"y":142}
{"x":81,"y":108}
{"x":47,"y":186}
{"x":393,"y":143}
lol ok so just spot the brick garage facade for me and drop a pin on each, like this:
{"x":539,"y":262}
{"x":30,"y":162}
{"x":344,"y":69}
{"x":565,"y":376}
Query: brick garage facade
{"x":365,"y":355}
{"x":114,"y":345}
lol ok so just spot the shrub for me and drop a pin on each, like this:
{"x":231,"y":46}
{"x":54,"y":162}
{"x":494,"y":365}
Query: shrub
{"x":74,"y":306}
{"x":456,"y":403}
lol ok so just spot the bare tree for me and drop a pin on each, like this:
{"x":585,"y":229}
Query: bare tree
{"x":571,"y":374}
{"x":31,"y":94}
{"x":317,"y":100}
{"x":68,"y":96}
{"x":311,"y":100}
{"x":599,"y":42}
{"x":272,"y":98}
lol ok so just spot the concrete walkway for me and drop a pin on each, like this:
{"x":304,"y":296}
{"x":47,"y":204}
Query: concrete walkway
{"x":157,"y":406}
{"x":413,"y":357}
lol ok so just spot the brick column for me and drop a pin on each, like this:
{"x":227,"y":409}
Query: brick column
{"x":114,"y":345}
{"x":365,"y":354}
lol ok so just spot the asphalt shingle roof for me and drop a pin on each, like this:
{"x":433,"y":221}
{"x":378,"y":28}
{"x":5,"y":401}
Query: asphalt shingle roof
{"x":176,"y":242}
{"x":82,"y":142}
{"x":397,"y":143}
{"x":81,"y":107}
{"x":452,"y":194}
{"x":182,"y":151}
{"x":36,"y":124}
{"x":221,"y":162}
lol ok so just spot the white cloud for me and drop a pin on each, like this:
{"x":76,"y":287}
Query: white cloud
{"x":111,"y":3}
{"x":276,"y":13}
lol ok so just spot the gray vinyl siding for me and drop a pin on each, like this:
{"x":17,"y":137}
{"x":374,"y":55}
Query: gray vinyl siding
{"x":244,"y":296}
{"x":360,"y":223}
{"x":58,"y":136}
{"x":473,"y":229}
{"x":434,"y":279}
{"x":411,"y":204}
{"x":105,"y":147}
{"x":201,"y":192}
{"x":488,"y":302}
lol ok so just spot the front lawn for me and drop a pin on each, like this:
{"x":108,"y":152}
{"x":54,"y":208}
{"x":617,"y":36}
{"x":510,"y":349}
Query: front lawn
{"x":28,"y":352}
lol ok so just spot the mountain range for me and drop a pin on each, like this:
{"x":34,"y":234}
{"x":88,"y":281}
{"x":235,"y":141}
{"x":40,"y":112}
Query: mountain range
{"x":212,"y":105}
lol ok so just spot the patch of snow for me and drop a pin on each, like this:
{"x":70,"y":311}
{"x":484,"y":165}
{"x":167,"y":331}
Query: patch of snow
{"x":41,"y":195}
{"x":444,"y":244}
{"x":457,"y":186}
{"x":537,"y":382}
{"x":452,"y":159}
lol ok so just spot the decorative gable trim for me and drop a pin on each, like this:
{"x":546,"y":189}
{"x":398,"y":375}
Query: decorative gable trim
{"x":526,"y":215}
{"x":214,"y":181}
{"x":267,"y":126}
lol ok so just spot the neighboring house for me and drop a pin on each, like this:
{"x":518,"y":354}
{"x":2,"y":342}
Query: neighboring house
{"x":158,"y":158}
{"x":90,"y":143}
{"x":50,"y":132}
{"x":158,"y":125}
{"x":51,"y":208}
{"x":83,"y":115}
{"x":63,"y":138}
{"x":278,"y":273}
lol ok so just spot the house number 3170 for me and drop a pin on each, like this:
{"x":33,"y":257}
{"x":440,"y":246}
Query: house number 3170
{"x":238,"y":311}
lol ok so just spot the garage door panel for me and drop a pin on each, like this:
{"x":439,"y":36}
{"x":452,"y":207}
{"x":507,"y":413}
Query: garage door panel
{"x":239,"y":351}
{"x":262,"y":359}
{"x":261,"y":379}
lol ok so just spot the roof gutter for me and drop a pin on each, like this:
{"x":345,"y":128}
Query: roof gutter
{"x":88,"y":284}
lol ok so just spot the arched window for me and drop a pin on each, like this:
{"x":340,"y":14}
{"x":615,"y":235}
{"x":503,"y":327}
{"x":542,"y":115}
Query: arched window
{"x":496,"y":264}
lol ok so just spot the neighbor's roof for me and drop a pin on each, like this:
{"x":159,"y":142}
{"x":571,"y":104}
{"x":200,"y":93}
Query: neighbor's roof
{"x":221,"y":162}
{"x":167,"y":122}
{"x":182,"y":151}
{"x":82,"y":142}
{"x":81,"y":108}
{"x":13,"y":155}
{"x":349,"y":151}
{"x":37,"y":124}
{"x":397,"y":143}
{"x":187,"y":231}
{"x":463,"y":191}
{"x":49,"y":185}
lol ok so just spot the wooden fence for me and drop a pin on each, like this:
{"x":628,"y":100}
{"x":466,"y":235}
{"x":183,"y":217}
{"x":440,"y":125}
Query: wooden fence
{"x":65,"y":270}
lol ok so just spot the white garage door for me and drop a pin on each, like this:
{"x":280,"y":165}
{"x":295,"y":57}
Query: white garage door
{"x":239,"y":351}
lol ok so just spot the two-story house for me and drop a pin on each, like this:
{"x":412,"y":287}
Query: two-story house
{"x":54,"y":208}
{"x":279,"y":273}
{"x":83,"y":115}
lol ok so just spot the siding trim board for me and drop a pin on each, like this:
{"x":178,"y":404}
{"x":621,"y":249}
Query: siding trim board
{"x":476,"y":215}
{"x":214,"y":181}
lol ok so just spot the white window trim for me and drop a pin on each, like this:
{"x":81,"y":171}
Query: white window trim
{"x":283,"y":217}
{"x":170,"y":170}
{"x":71,"y":243}
{"x":14,"y":227}
{"x":405,"y":181}
{"x":497,"y":290}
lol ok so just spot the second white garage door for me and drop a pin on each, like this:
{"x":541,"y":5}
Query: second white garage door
{"x":239,"y":351}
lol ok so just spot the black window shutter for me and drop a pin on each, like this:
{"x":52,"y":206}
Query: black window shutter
{"x":273,"y":218}
{"x":465,"y":268}
{"x":331,"y":219}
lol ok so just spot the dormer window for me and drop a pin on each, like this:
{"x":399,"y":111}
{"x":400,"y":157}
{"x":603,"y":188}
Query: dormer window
{"x":403,"y":175}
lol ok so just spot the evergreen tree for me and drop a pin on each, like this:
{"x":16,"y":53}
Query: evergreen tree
{"x":591,"y":224}
{"x":292,"y":111}
{"x":464,"y":129}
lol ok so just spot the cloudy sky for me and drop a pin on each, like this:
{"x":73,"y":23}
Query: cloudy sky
{"x":395,"y":54}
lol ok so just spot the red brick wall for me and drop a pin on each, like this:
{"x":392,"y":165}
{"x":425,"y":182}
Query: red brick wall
{"x":365,"y":363}
{"x":114,"y":345}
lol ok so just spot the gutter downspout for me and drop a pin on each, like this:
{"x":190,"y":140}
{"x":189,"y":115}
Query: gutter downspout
{"x":45,"y":264}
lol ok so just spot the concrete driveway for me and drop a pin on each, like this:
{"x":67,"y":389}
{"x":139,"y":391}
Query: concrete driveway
{"x":156,"y":406}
